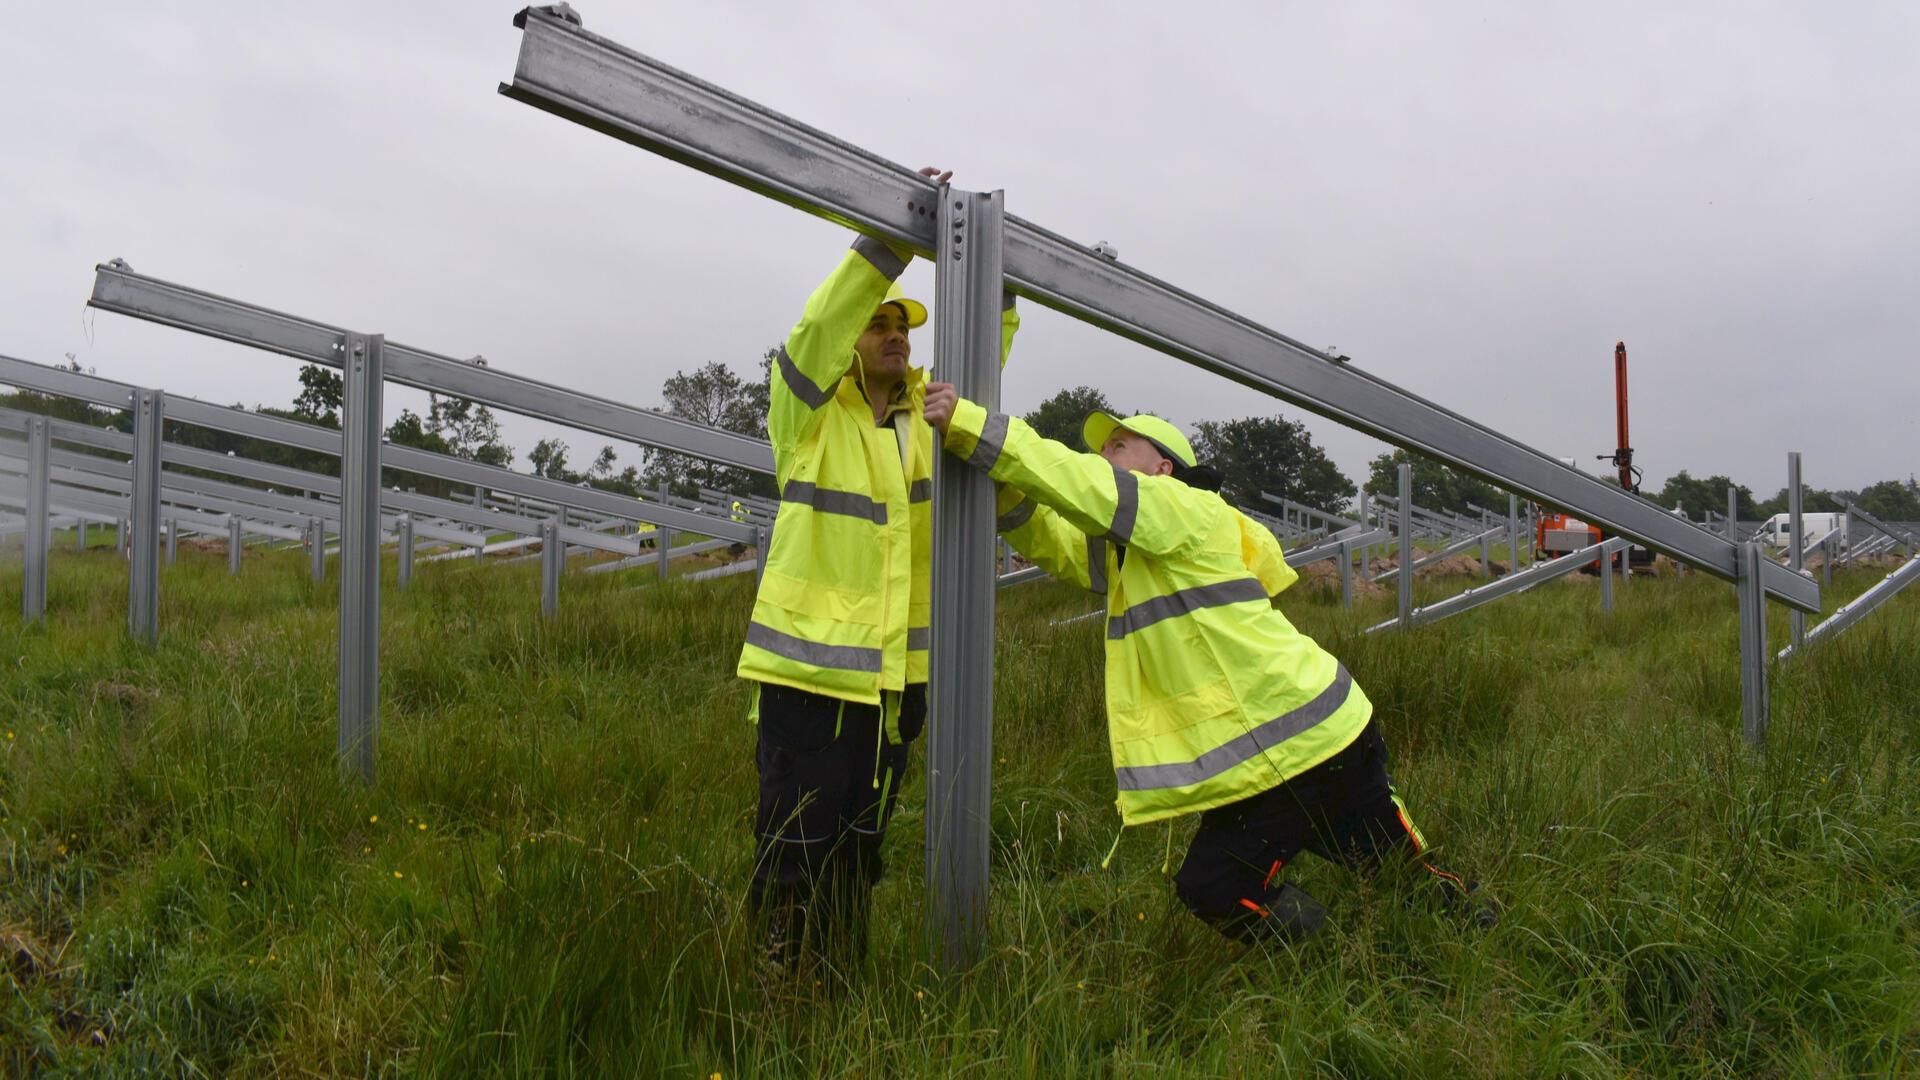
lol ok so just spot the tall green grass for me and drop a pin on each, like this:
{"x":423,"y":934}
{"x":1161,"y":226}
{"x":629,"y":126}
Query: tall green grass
{"x":547,"y":877}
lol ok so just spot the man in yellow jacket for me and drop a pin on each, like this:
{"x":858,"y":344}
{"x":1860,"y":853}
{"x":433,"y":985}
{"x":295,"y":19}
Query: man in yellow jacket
{"x":837,"y":642}
{"x":1215,"y":704}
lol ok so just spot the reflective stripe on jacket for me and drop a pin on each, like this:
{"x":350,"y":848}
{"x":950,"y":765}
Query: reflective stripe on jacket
{"x":845,"y":597}
{"x":1212,"y":695}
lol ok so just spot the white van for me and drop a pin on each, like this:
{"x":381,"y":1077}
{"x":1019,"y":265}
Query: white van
{"x":1778,"y":529}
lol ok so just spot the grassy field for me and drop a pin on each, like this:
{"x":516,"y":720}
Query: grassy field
{"x":548,"y":876}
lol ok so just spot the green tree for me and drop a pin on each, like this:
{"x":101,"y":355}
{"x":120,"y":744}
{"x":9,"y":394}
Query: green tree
{"x":1892,"y":500}
{"x":321,"y":392}
{"x":716,"y":396}
{"x":1060,"y":417}
{"x":1695,"y":497}
{"x":1435,"y":485}
{"x":549,"y":459}
{"x":1272,"y":455}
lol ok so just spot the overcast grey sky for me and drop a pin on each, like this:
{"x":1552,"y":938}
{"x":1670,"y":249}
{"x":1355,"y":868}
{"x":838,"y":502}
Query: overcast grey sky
{"x":1472,"y":200}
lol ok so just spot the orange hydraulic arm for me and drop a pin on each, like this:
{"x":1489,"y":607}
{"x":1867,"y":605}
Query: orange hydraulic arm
{"x":1622,"y":456}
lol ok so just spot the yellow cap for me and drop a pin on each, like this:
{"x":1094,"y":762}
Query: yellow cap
{"x":1164,"y":436}
{"x":916,"y":311}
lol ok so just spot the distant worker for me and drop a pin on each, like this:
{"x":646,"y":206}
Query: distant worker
{"x":1215,"y":704}
{"x":837,"y":643}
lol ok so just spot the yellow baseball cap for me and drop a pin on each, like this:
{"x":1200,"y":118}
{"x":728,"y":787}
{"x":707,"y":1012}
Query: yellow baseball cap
{"x":1164,"y":436}
{"x":916,"y":311}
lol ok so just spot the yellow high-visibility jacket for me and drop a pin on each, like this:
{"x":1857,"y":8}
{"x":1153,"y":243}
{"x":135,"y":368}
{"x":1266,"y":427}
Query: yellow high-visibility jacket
{"x":845,"y":595}
{"x":1212,"y":695}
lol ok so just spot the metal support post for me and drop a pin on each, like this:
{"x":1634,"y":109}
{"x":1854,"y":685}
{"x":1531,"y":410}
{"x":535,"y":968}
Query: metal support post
{"x":1346,"y":575}
{"x":317,"y":549}
{"x":1365,"y":523}
{"x":968,"y":295}
{"x":1486,"y":572}
{"x":33,"y":591}
{"x":173,"y":540}
{"x":553,"y":555}
{"x":662,"y":540}
{"x":404,"y":567}
{"x":480,"y":500}
{"x":119,"y":537}
{"x":1753,"y":645}
{"x":1406,"y":546}
{"x":1606,"y":582}
{"x":80,"y":535}
{"x":364,"y":369}
{"x":1513,"y":534}
{"x":1795,"y":557}
{"x":1826,"y":564}
{"x":764,"y":537}
{"x":1733,"y":514}
{"x":233,"y":544}
{"x":143,"y":572}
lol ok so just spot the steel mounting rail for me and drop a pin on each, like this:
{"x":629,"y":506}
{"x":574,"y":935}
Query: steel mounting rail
{"x":124,"y":292}
{"x":185,"y":410}
{"x":595,"y":82}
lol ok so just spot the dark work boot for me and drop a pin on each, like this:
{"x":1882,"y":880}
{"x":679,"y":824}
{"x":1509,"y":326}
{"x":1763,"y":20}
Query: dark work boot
{"x":1294,"y":914}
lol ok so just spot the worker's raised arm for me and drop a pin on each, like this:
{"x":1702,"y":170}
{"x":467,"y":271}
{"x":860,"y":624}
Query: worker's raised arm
{"x":1050,"y":543}
{"x":1260,"y":550}
{"x":807,"y":369}
{"x":1148,"y":513}
{"x":1009,"y":325}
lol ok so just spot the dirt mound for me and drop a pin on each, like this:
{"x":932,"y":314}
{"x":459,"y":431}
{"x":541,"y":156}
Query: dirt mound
{"x":1324,"y":577}
{"x":1451,"y":566}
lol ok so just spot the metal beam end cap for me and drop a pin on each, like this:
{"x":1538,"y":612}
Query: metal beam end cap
{"x":561,"y":11}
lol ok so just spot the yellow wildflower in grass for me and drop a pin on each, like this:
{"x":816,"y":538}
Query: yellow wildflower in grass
{"x":396,"y":874}
{"x":423,"y":826}
{"x":373,"y":819}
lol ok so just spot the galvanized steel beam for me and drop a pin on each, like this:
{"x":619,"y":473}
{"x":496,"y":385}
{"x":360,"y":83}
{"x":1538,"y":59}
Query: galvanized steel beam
{"x":362,"y":359}
{"x":968,"y":295}
{"x":1797,"y":557}
{"x":1405,"y":583}
{"x":403,"y":569}
{"x":1506,"y":586}
{"x":1753,"y":644}
{"x":1853,"y":611}
{"x":612,"y":89}
{"x":33,"y":592}
{"x":552,"y":560}
{"x":143,"y":570}
{"x":185,"y":410}
{"x":127,"y":293}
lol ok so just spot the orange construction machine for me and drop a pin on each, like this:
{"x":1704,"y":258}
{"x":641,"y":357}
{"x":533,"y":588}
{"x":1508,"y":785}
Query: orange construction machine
{"x":1557,"y":533}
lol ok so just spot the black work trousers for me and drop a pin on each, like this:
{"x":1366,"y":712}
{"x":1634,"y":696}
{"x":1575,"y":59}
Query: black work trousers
{"x":1343,"y":809}
{"x":829,"y":779}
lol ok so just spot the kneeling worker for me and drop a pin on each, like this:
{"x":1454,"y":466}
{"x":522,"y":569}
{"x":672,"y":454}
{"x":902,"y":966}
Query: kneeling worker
{"x":1215,"y":704}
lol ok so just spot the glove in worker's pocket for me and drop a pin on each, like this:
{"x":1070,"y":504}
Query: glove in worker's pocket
{"x":797,"y":720}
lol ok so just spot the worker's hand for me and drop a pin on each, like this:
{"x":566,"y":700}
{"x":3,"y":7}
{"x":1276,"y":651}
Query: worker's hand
{"x":941,"y":399}
{"x":935,"y":174}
